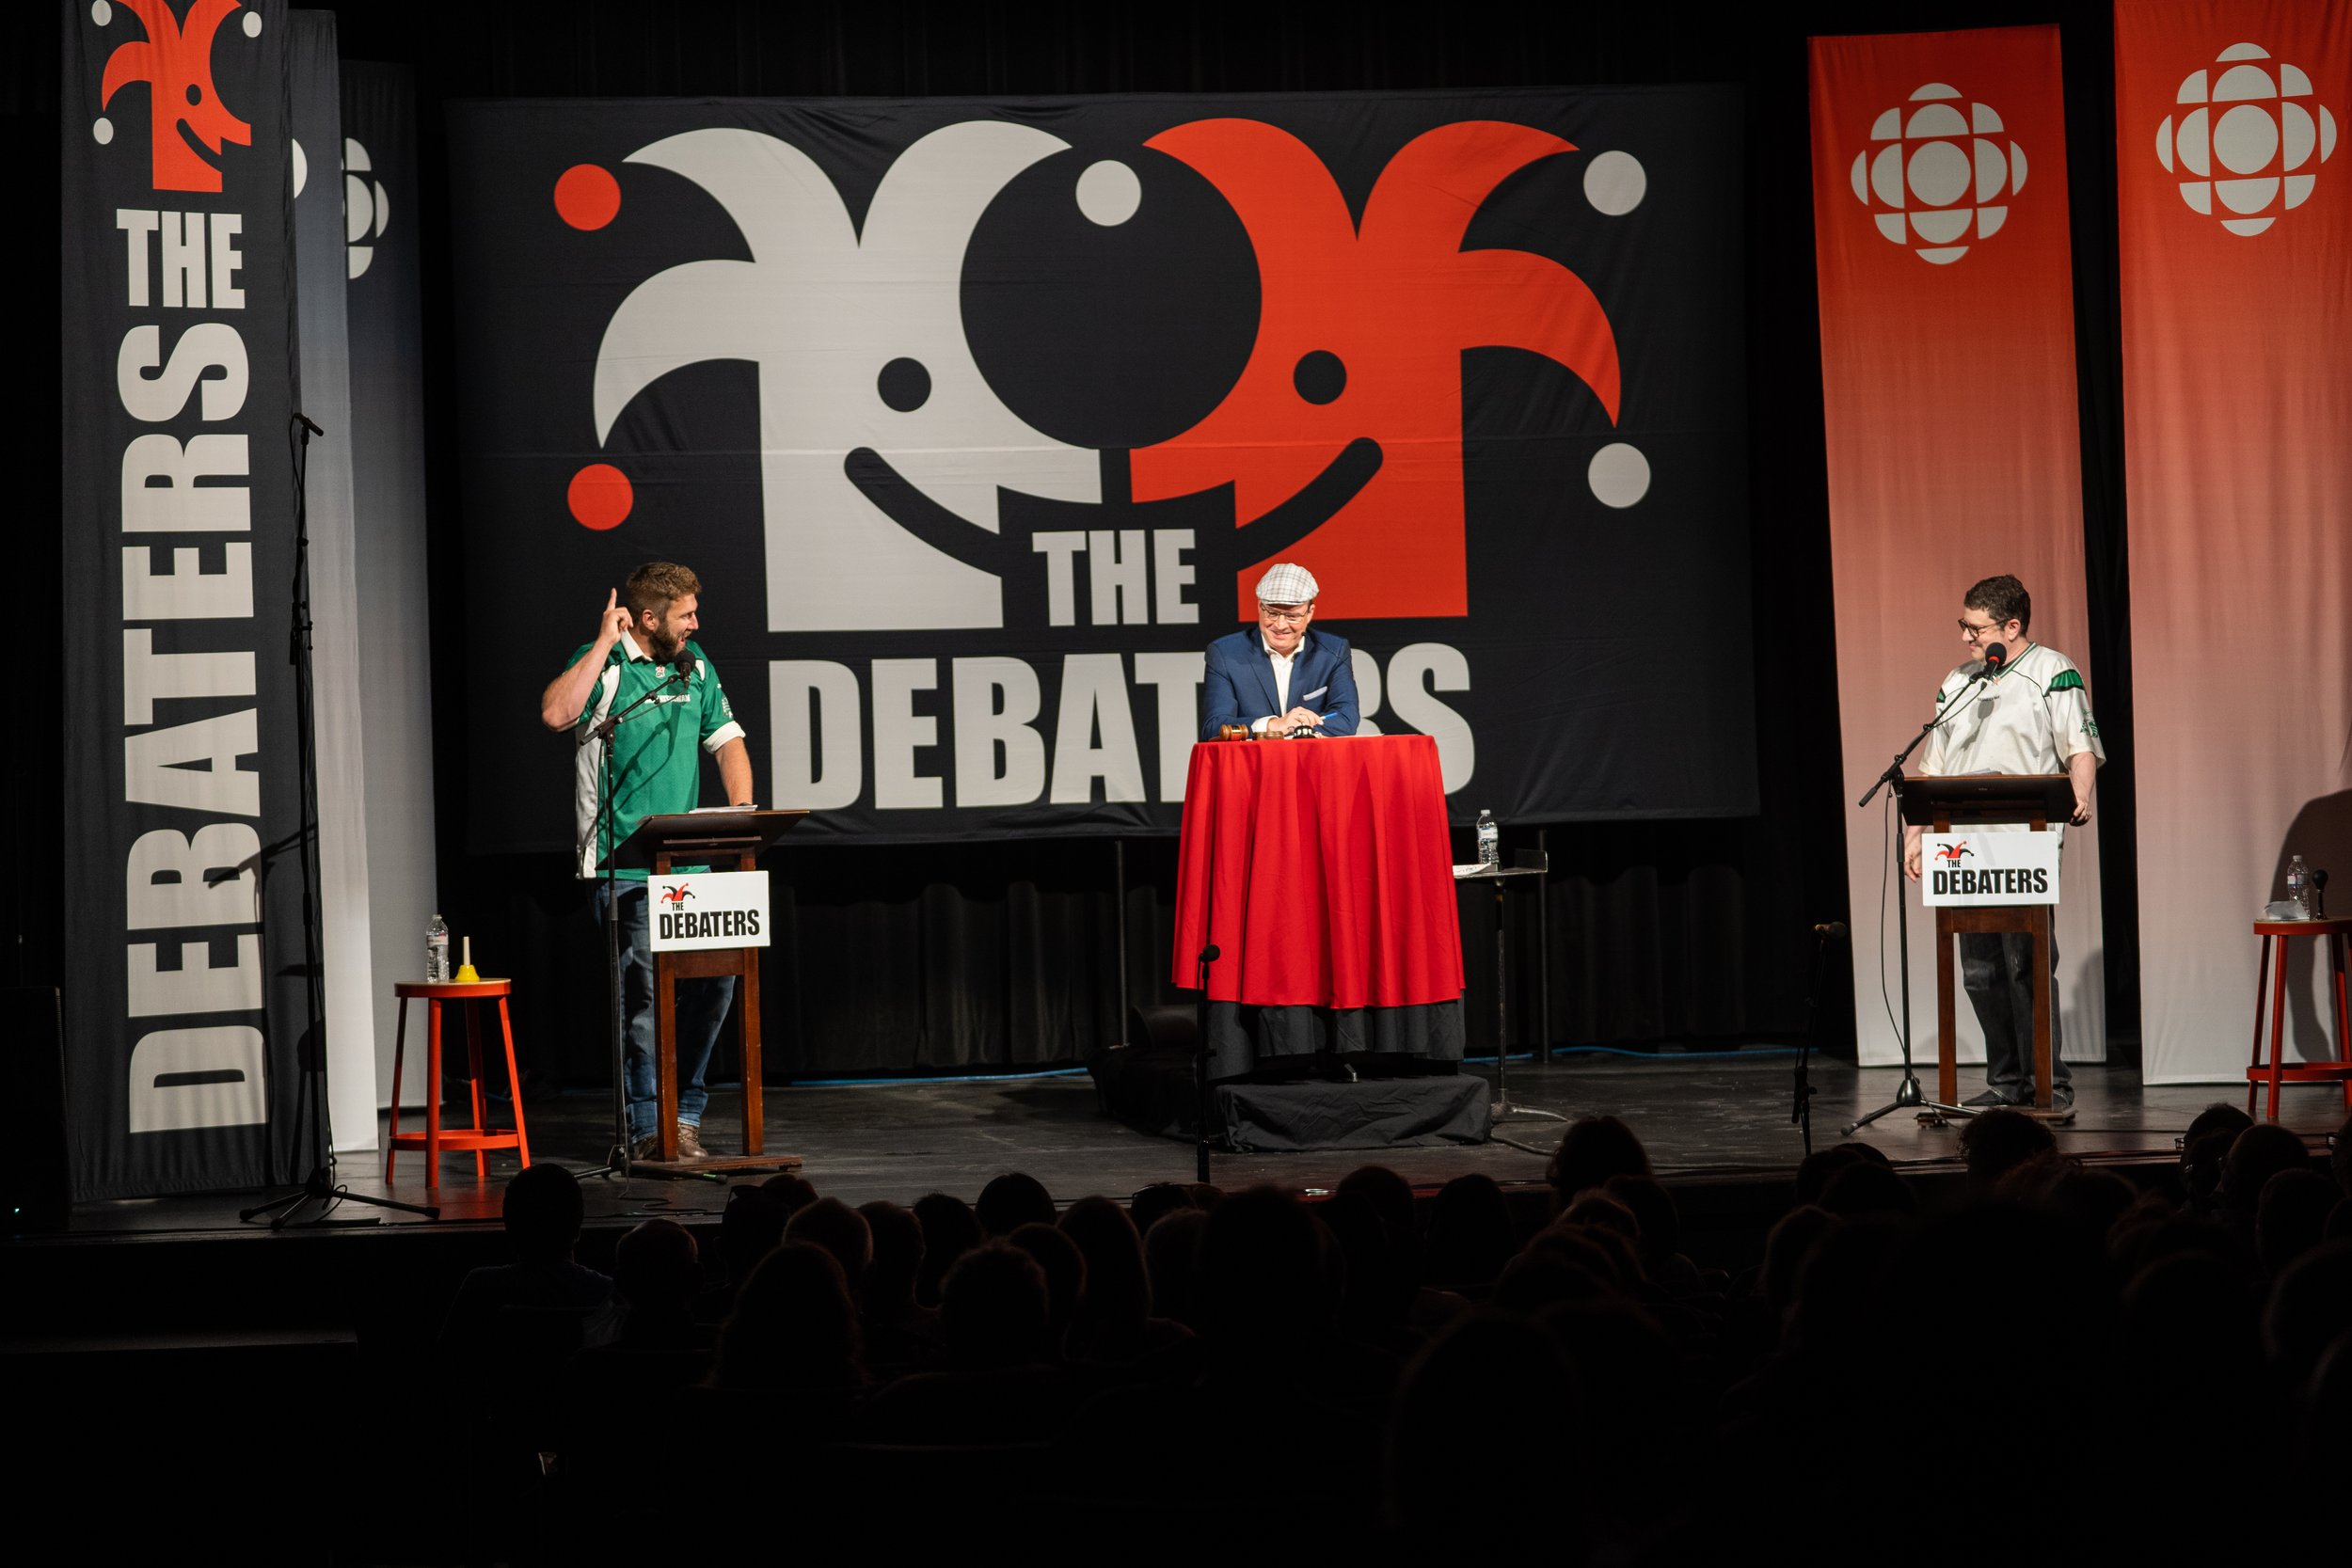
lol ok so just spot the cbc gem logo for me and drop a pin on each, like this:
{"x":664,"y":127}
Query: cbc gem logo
{"x":2247,"y":137}
{"x":1935,"y":178}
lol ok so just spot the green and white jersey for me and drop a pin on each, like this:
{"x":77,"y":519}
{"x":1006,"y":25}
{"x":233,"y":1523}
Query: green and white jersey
{"x":2034,"y":717}
{"x":656,"y":751}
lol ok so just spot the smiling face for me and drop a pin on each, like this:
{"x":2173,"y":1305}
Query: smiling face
{"x":1284,"y":625}
{"x":1979,"y":631}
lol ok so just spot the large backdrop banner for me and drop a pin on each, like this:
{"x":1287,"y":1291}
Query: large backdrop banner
{"x":184,"y":911}
{"x":979,"y":419}
{"x":1947,"y":372}
{"x":2235,"y":225}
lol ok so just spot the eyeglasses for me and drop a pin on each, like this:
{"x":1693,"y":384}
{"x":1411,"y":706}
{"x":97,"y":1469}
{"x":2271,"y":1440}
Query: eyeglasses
{"x":1972,"y":631}
{"x":1299,"y":615}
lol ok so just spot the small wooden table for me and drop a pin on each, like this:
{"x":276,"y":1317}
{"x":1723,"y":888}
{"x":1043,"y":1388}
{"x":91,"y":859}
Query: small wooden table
{"x":478,"y":1137}
{"x":2275,"y":936}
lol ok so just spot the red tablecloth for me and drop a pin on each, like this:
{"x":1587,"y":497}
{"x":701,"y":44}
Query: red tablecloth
{"x":1322,"y":870}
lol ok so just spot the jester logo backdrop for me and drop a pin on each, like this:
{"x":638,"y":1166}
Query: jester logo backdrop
{"x":979,"y":419}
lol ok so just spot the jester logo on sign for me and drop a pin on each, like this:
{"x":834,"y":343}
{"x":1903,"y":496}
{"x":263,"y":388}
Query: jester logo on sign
{"x":906,"y":478}
{"x":674,"y":895}
{"x":1952,"y":854}
{"x":185,"y":109}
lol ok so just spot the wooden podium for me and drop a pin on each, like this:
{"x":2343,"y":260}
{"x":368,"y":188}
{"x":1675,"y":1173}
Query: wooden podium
{"x":710,"y":837}
{"x":1939,"y":805}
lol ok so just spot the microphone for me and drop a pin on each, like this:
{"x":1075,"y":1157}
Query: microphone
{"x":1833,"y":928}
{"x":1210,"y":953}
{"x":685,"y":666}
{"x":1995,"y":656}
{"x":308,"y":424}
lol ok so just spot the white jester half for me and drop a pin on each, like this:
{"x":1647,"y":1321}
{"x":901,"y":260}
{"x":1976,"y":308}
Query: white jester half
{"x":1934,"y":177}
{"x":820,"y":308}
{"x":2252,"y":136}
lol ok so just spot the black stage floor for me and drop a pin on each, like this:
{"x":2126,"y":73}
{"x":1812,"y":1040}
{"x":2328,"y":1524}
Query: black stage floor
{"x":1721,"y":1117}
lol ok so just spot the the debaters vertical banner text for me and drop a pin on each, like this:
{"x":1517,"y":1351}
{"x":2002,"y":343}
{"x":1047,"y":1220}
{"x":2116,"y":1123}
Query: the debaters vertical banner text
{"x":184,"y":911}
{"x":979,"y":419}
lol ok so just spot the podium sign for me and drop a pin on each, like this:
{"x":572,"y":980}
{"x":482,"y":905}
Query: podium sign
{"x":1988,"y":870}
{"x":703,"y":909}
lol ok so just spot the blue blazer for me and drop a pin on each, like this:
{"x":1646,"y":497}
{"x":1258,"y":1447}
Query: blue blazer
{"x":1238,"y":685}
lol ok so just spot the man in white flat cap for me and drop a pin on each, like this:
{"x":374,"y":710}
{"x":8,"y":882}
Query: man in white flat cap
{"x":1279,"y":678}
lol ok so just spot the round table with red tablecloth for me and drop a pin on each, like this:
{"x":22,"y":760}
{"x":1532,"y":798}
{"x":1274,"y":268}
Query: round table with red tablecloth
{"x":1322,"y":871}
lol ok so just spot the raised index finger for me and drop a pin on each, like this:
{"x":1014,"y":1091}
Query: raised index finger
{"x":611,"y":597}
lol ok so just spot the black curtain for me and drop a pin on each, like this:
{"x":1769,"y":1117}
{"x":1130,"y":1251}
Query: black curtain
{"x":967,"y":957}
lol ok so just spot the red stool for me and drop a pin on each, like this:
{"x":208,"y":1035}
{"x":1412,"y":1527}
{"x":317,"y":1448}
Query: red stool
{"x":2271,"y":977}
{"x":432,"y":1140}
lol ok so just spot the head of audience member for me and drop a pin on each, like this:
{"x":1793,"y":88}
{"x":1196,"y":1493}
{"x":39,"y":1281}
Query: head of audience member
{"x":1564,"y":1262}
{"x":1010,"y":1201}
{"x":2256,"y":1155}
{"x":995,"y":1310}
{"x":1597,"y":1209}
{"x":1791,"y":1239}
{"x":1472,"y":1233}
{"x":2194,"y":1316}
{"x":1156,"y":1202}
{"x":1171,"y":1257}
{"x":2291,"y":1217}
{"x":2310,"y":1307}
{"x":1653,"y":1209}
{"x":1376,"y":1296}
{"x":2220,"y":1116}
{"x":655,"y":1270}
{"x":1995,"y":1142}
{"x":1448,"y":1389}
{"x":1838,"y":1314}
{"x":1118,"y":1294}
{"x":951,"y":1229}
{"x":1266,"y":1286}
{"x":1391,"y":1199}
{"x":1816,"y":1169}
{"x":792,"y":1193}
{"x":1630,"y":1371}
{"x":1863,"y":1189}
{"x":793,"y":1329}
{"x":2201,"y":1159}
{"x":1065,"y":1269}
{"x":831,"y":1224}
{"x":2092,"y":1201}
{"x":888,"y":1287}
{"x":1593,"y":1149}
{"x":542,"y":1210}
{"x":750,"y":1228}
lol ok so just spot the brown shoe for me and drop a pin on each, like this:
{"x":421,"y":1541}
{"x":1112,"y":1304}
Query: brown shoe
{"x":646,"y":1147}
{"x":690,"y":1142}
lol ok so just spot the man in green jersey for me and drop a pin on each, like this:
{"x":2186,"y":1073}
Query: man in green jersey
{"x":644,"y":645}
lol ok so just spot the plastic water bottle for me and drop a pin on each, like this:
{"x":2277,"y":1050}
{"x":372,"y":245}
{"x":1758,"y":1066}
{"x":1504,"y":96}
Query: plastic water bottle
{"x":2299,"y":889}
{"x":1489,"y":841}
{"x":437,"y":952}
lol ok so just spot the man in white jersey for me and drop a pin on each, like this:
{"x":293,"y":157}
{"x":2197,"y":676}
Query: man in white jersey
{"x":2033,"y":716}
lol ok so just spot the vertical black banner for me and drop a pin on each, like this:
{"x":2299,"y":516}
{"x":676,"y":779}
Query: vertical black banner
{"x":182,"y":906}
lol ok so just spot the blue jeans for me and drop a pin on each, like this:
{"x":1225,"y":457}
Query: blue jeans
{"x":702,"y":1007}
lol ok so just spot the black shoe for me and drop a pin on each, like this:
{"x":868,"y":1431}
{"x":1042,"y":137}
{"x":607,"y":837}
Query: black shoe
{"x":1990,"y":1099}
{"x":2062,"y":1097}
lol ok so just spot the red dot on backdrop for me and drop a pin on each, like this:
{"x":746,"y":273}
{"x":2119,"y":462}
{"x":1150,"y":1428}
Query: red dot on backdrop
{"x":587,"y":197}
{"x":600,"y":497}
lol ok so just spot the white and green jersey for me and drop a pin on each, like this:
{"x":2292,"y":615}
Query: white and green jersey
{"x":2034,"y":717}
{"x":657,"y":751}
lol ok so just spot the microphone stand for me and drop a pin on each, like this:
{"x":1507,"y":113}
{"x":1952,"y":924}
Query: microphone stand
{"x":616,"y":1157}
{"x":1201,"y":1074}
{"x":318,"y":1182}
{"x":1908,"y":1095}
{"x":1800,"y":1113}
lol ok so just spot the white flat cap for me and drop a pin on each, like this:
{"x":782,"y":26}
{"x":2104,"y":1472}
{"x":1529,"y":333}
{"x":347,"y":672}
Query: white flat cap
{"x":1286,"y":582}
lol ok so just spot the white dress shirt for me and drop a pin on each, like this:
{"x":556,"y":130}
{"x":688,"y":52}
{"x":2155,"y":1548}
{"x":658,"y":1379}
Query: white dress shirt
{"x":1282,"y":683}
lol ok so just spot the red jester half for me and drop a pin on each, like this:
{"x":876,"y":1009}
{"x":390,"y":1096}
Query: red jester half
{"x":1356,"y":375}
